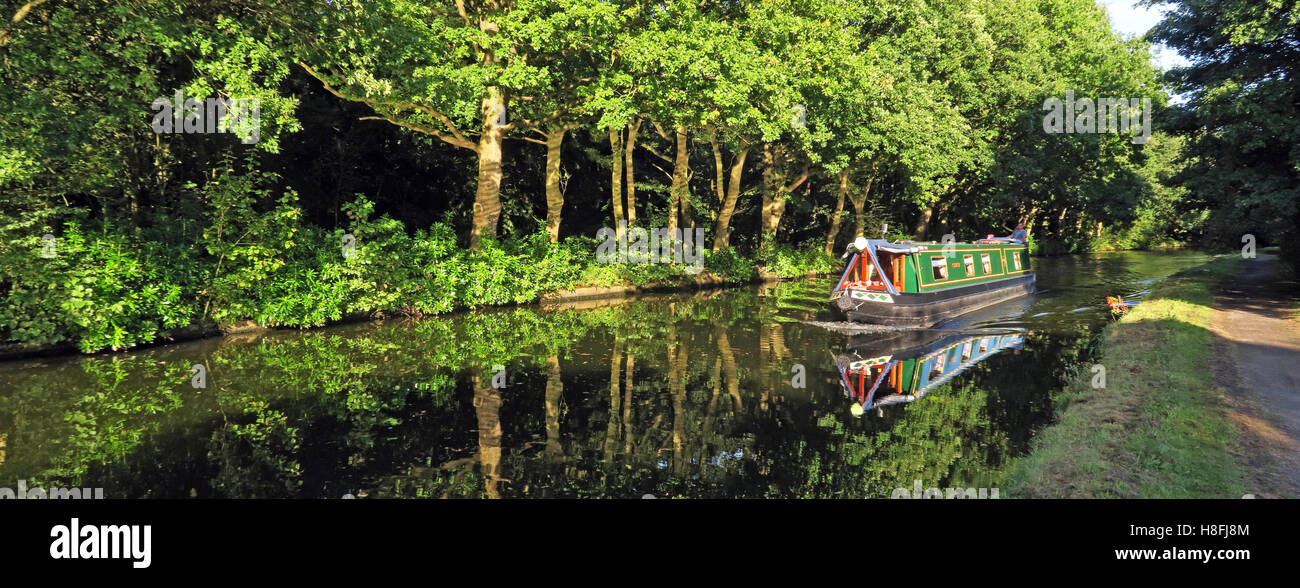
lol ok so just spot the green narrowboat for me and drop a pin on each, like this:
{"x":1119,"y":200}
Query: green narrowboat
{"x":882,"y":369}
{"x":910,"y":284}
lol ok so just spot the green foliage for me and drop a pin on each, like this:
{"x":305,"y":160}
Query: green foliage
{"x":1242,"y":154}
{"x":100,"y":289}
{"x":926,"y":104}
{"x":791,"y":262}
{"x":728,"y":262}
{"x":249,"y":233}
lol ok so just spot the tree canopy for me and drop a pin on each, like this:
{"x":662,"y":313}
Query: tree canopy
{"x":522,"y":127}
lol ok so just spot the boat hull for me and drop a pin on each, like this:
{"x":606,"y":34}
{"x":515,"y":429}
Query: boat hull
{"x":927,"y":309}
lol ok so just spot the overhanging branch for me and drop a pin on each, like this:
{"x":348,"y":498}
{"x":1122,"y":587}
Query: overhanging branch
{"x":456,"y":138}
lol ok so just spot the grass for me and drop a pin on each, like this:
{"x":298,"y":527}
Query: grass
{"x":1157,"y":428}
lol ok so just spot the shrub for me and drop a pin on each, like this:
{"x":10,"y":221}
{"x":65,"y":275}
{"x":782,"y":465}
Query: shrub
{"x":730,"y":264}
{"x":789,"y":262}
{"x":249,"y":245}
{"x":100,"y":289}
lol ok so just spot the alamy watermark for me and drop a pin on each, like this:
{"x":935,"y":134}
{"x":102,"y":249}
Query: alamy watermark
{"x":499,"y":376}
{"x":87,"y":541}
{"x":213,"y":115}
{"x":25,"y":493}
{"x":349,"y":246}
{"x":1103,"y":115}
{"x":919,"y":492}
{"x":48,"y":247}
{"x":656,"y":245}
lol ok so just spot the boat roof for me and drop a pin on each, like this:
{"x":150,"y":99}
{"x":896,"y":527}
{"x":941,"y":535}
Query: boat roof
{"x":907,"y":245}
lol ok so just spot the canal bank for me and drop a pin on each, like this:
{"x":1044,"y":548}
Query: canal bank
{"x":1163,"y":412}
{"x":564,"y":297}
{"x":729,"y":392}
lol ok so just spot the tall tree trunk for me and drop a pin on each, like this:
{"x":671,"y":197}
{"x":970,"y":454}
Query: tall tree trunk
{"x":722,"y":230}
{"x":774,"y":216}
{"x":859,"y":206}
{"x":923,"y":223}
{"x":681,"y":198}
{"x":554,"y":192}
{"x":772,"y":181}
{"x":719,"y":185}
{"x":616,"y":178}
{"x":775,"y":194}
{"x":487,"y":409}
{"x":612,"y":426}
{"x":628,"y":152}
{"x":554,"y":394}
{"x":839,"y":211}
{"x":487,"y":198}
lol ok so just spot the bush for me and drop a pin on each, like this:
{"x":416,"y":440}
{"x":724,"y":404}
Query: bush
{"x":787,"y":261}
{"x":108,"y":289}
{"x":730,"y":264}
{"x":249,"y":245}
{"x":99,"y":290}
{"x":309,"y":290}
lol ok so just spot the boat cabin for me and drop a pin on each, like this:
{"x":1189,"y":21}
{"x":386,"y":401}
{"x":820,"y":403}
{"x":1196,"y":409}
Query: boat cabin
{"x":907,"y":267}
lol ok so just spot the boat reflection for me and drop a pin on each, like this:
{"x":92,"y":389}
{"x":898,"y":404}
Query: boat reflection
{"x":880,"y":369}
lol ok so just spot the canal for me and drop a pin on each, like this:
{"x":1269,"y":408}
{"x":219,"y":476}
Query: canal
{"x":722,"y":393}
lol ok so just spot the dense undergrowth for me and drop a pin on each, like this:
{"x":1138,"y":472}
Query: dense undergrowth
{"x":101,"y":286}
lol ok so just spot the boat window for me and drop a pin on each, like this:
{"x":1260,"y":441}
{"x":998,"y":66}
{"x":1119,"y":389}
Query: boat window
{"x":965,"y":351}
{"x":984,"y":345}
{"x":1015,"y":258}
{"x":895,"y":265}
{"x":940,"y":267}
{"x":969,"y":262}
{"x":987,"y":263}
{"x":936,"y":369}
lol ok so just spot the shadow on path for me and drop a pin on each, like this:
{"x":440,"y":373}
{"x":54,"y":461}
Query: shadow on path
{"x":1258,"y":336}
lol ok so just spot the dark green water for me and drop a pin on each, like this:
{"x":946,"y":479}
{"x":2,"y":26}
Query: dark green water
{"x":683,"y":395}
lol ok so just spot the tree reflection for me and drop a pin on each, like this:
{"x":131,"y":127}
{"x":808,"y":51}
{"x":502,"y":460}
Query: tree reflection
{"x":686,"y":396}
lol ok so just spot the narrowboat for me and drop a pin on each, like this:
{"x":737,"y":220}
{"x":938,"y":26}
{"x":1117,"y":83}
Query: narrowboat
{"x":910,"y":284}
{"x":894,"y":368}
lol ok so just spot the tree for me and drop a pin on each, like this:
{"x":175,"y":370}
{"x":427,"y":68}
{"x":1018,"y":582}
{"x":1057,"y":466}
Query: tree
{"x":1243,"y":146}
{"x":76,"y":83}
{"x":892,"y":118}
{"x":466,"y":74}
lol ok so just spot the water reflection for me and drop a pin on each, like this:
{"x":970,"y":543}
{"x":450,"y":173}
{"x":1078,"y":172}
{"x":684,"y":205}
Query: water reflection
{"x":880,"y":369}
{"x":685,"y":395}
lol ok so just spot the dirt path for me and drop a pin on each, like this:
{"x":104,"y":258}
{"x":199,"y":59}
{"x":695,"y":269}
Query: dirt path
{"x":1258,"y":336}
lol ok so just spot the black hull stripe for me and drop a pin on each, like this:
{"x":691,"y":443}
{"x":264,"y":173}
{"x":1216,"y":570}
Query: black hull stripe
{"x":926,"y":309}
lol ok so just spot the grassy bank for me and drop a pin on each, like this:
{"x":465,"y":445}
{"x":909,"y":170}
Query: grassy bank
{"x":1156,"y":429}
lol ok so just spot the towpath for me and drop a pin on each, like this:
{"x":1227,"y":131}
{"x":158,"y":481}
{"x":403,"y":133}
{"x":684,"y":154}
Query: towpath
{"x":1258,"y":334}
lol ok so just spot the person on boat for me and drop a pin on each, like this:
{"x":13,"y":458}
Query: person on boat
{"x":1021,"y":234}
